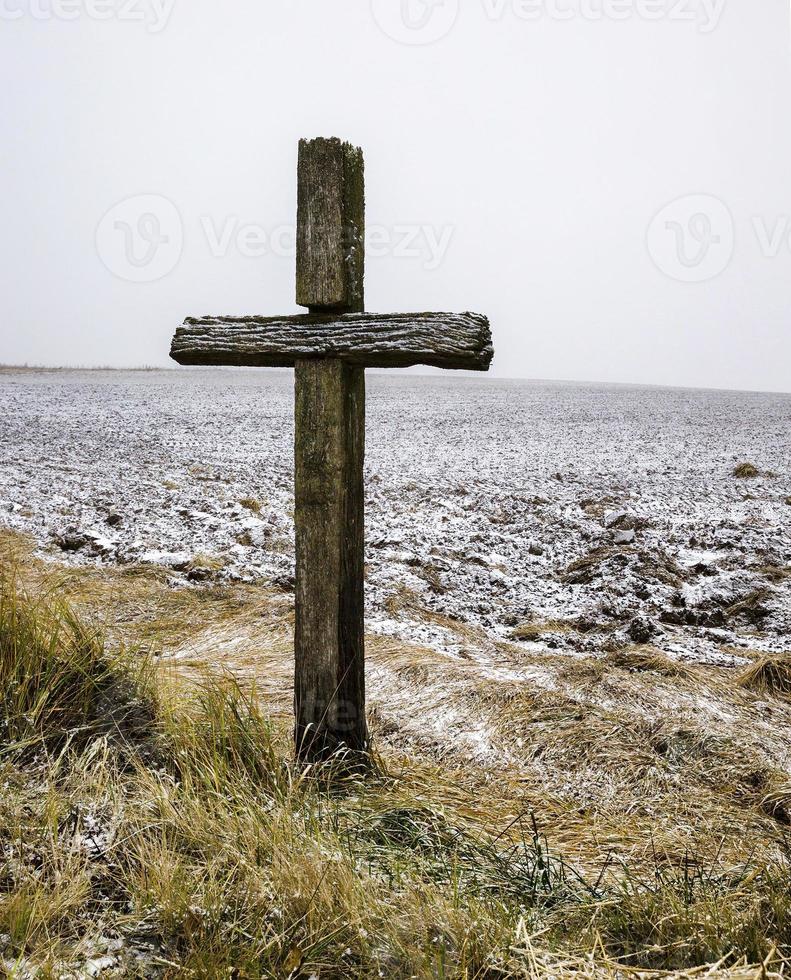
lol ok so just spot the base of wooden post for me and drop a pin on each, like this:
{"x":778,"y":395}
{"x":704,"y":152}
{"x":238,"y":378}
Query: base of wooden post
{"x":329,"y":637}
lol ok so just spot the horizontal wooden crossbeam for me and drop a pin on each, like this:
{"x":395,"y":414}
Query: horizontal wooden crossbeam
{"x":460,"y":341}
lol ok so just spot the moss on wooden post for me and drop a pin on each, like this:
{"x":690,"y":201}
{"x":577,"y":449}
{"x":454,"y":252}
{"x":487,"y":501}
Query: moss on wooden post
{"x":330,"y":226}
{"x":329,"y":636}
{"x":329,"y":640}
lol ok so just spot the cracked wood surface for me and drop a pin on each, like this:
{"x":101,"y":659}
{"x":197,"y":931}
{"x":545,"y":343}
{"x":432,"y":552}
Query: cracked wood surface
{"x":460,"y":341}
{"x":330,"y":226}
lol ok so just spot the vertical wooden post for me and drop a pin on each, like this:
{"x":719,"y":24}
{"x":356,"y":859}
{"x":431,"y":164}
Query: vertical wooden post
{"x":330,"y":226}
{"x":329,"y":638}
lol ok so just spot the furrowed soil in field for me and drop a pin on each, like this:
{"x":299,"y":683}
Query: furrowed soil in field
{"x":578,"y":618}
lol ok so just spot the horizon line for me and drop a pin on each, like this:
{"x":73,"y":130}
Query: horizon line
{"x":461,"y":375}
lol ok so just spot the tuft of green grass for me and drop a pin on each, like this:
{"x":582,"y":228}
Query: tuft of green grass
{"x":219,"y":857}
{"x":691,"y":914}
{"x":746,"y":471}
{"x":58,"y":684}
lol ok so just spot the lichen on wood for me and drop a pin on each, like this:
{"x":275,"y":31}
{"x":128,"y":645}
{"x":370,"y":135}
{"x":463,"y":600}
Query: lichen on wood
{"x":330,"y":226}
{"x":461,"y":341}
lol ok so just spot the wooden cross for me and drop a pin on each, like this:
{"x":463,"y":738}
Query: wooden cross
{"x":329,"y":348}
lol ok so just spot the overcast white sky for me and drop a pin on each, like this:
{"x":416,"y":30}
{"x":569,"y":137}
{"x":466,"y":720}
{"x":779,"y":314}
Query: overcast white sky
{"x":521,"y":166}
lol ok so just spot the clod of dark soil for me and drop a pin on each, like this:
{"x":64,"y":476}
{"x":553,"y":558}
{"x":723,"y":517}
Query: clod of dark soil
{"x":71,"y":540}
{"x":642,"y":629}
{"x":752,"y":608}
{"x":693,"y":617}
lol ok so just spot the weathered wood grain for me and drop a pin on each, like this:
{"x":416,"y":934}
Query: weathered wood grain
{"x":329,"y":637}
{"x":329,"y":632}
{"x":330,"y":226}
{"x":330,"y":348}
{"x":460,"y":341}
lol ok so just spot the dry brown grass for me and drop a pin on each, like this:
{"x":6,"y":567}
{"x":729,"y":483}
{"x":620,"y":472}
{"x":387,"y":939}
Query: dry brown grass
{"x":648,"y":659}
{"x":664,"y":783}
{"x":746,"y":471}
{"x":535,"y":631}
{"x":770,"y":675}
{"x":774,"y":573}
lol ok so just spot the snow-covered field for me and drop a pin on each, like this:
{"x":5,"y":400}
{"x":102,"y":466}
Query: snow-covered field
{"x":569,"y":517}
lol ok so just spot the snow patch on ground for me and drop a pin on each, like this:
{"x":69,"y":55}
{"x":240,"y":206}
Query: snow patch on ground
{"x":494,"y":503}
